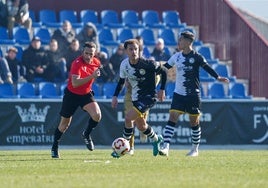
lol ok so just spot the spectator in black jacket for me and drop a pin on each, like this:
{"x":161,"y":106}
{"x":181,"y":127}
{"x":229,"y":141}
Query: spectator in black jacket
{"x":33,"y":58}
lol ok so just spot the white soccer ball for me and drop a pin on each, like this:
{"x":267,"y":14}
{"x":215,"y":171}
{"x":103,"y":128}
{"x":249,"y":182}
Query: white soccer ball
{"x":121,"y":146}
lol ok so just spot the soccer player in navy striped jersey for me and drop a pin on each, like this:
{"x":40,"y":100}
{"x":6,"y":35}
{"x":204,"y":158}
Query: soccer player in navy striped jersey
{"x":186,"y":98}
{"x":141,"y":75}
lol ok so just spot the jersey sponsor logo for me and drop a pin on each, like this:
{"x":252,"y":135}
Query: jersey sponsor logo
{"x":142,"y":72}
{"x":191,"y":60}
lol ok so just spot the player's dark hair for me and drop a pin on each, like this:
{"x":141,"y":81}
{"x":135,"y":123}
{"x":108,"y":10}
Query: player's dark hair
{"x":188,"y":35}
{"x":132,"y":41}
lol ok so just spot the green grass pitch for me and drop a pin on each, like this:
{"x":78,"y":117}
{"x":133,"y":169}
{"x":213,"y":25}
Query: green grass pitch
{"x":81,"y":168}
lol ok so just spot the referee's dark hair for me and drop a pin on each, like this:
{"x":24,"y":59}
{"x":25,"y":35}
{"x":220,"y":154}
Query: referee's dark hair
{"x":90,"y":45}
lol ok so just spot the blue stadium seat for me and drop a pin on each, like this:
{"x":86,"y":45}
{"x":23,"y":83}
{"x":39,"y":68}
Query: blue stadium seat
{"x":27,"y":90}
{"x":97,"y":89}
{"x":21,"y":35}
{"x":198,"y":43}
{"x":71,"y":16}
{"x":104,"y":49}
{"x":238,"y":91}
{"x":43,"y":34}
{"x":35,"y":23}
{"x":146,"y":52}
{"x":48,"y":90}
{"x":124,"y":34}
{"x":223,"y":70}
{"x":110,"y":19}
{"x":4,"y":38}
{"x":204,"y":76}
{"x":150,"y":18}
{"x":108,"y":89}
{"x":130,"y":18}
{"x":147,"y":35}
{"x":106,"y":37}
{"x":90,"y":16}
{"x":206,"y":52}
{"x":48,"y":18}
{"x":168,"y":36}
{"x":171,"y":19}
{"x":216,"y":91}
{"x":7,"y":91}
{"x":62,"y":88}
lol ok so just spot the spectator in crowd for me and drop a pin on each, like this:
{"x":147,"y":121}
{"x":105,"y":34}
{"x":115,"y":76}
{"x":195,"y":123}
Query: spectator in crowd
{"x":89,"y":33}
{"x":159,"y":53}
{"x":5,"y":73}
{"x":64,"y":36}
{"x":72,"y":53}
{"x":17,"y":70}
{"x":3,"y":13}
{"x":107,"y":71}
{"x":33,"y":58}
{"x":117,"y":57}
{"x":18,"y":13}
{"x":56,"y":70}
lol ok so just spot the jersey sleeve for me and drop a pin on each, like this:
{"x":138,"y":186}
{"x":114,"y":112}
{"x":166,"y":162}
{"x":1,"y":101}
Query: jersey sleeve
{"x":172,"y":59}
{"x":122,"y":73}
{"x":75,"y":68}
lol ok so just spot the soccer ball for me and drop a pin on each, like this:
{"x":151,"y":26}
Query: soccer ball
{"x":121,"y":146}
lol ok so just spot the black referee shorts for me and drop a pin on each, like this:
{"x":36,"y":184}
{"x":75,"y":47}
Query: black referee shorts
{"x":72,"y":101}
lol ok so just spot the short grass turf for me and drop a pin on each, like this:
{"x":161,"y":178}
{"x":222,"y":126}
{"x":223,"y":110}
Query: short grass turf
{"x":81,"y":168}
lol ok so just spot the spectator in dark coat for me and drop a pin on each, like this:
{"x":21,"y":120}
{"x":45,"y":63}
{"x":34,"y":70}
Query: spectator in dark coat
{"x":117,"y":58}
{"x":72,"y":53}
{"x":64,"y":36}
{"x":17,"y":70}
{"x":159,"y":53}
{"x":107,"y":72}
{"x":33,"y":58}
{"x":89,"y":33}
{"x":56,"y":70}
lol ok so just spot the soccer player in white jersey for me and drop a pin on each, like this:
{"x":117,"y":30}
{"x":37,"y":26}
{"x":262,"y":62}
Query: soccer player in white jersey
{"x":141,"y":75}
{"x":186,"y":98}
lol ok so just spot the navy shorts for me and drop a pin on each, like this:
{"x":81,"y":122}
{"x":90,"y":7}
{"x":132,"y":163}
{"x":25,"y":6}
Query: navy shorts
{"x":72,"y":101}
{"x":189,"y":104}
{"x":144,"y":103}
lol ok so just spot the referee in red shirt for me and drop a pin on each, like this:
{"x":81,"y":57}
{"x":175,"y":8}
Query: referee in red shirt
{"x":78,"y":93}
